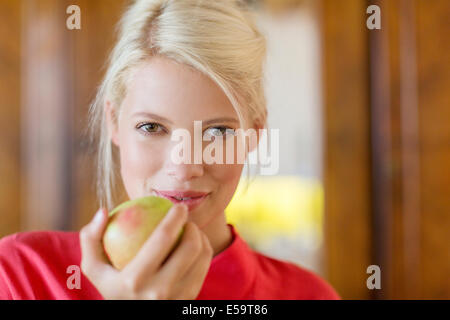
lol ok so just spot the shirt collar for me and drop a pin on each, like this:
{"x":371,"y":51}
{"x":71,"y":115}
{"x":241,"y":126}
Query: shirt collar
{"x":231,"y":273}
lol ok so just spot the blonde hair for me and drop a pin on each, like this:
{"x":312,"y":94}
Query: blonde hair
{"x":217,"y":38}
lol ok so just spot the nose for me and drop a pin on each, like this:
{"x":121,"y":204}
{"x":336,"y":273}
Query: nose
{"x":184,"y":172}
{"x":184,"y":169}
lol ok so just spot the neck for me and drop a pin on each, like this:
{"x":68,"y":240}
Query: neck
{"x":218,"y":233}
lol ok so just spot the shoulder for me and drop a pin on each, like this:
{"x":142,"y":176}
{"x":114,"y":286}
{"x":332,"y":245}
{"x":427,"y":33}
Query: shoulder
{"x":297,"y":282}
{"x":34,"y":265}
{"x":35,"y":244}
{"x":36,"y":238}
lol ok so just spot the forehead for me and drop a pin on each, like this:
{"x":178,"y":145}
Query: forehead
{"x":171,"y":89}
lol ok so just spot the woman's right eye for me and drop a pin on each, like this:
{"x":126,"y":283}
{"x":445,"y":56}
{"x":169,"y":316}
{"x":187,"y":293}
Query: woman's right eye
{"x":152,"y":128}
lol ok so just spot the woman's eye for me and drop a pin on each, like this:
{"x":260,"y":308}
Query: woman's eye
{"x":218,"y":132}
{"x":150,"y":128}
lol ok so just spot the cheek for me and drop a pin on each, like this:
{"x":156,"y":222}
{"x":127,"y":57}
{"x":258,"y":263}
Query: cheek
{"x":140,"y":159}
{"x":227,"y":178}
{"x":226,"y":173}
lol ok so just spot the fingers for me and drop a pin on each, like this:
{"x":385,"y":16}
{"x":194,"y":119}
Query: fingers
{"x":158,"y":245}
{"x":189,"y":286}
{"x":184,"y":256}
{"x":92,"y":252}
{"x":146,"y":276}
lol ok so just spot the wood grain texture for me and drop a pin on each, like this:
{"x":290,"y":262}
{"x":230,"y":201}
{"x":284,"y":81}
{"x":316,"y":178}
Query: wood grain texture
{"x":410,"y":113}
{"x":346,"y":159}
{"x":92,"y":45}
{"x":47,"y":93}
{"x":433,"y":52}
{"x":10,"y":46}
{"x":395,"y":150}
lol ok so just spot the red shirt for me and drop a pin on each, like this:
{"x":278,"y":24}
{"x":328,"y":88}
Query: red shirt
{"x":34,"y":265}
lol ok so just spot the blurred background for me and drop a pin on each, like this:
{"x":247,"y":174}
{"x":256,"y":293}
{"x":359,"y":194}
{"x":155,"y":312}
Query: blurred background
{"x":364,"y":119}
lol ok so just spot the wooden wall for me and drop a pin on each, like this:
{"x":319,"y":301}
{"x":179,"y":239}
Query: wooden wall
{"x":433,"y":83}
{"x":346,"y":147}
{"x":387,"y":183}
{"x":48,"y":77}
{"x":10,"y":46}
{"x":91,"y":47}
{"x":411,"y":148}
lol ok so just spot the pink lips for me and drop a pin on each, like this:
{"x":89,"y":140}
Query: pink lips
{"x":195,"y":197}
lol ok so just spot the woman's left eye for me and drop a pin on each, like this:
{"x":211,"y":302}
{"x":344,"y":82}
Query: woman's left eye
{"x":219,"y":131}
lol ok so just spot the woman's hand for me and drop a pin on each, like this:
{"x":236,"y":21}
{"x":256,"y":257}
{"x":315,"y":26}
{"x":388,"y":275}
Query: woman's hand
{"x":153,"y":273}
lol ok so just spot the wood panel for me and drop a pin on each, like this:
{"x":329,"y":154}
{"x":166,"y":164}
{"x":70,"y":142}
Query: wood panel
{"x":346,"y":147}
{"x":91,"y":49}
{"x":410,"y":135}
{"x":47,"y":105}
{"x":433,"y":68}
{"x":10,"y":201}
{"x":62,"y":69}
{"x":394,"y":117}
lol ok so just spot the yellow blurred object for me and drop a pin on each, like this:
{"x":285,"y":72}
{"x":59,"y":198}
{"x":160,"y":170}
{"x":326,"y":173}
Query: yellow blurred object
{"x":286,"y":206}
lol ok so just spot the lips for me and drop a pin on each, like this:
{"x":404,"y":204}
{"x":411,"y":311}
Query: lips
{"x":190,"y":198}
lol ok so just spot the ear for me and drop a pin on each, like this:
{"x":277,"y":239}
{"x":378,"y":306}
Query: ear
{"x":111,"y":120}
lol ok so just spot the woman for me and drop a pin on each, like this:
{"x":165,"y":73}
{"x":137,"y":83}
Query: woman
{"x":175,"y":63}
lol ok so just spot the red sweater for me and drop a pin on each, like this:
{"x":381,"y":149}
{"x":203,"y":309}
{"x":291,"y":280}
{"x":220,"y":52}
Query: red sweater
{"x":34,"y":265}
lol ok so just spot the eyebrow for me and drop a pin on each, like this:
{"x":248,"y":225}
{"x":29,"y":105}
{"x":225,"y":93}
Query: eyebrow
{"x":152,"y":115}
{"x":163,"y":119}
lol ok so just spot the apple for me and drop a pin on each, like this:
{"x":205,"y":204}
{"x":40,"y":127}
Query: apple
{"x":129,"y":226}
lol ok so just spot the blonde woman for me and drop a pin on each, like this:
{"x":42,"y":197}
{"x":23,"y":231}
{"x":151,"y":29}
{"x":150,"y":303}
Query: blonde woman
{"x":175,"y":62}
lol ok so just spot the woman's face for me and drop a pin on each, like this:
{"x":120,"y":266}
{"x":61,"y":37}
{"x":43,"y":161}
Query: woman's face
{"x":163,"y":96}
